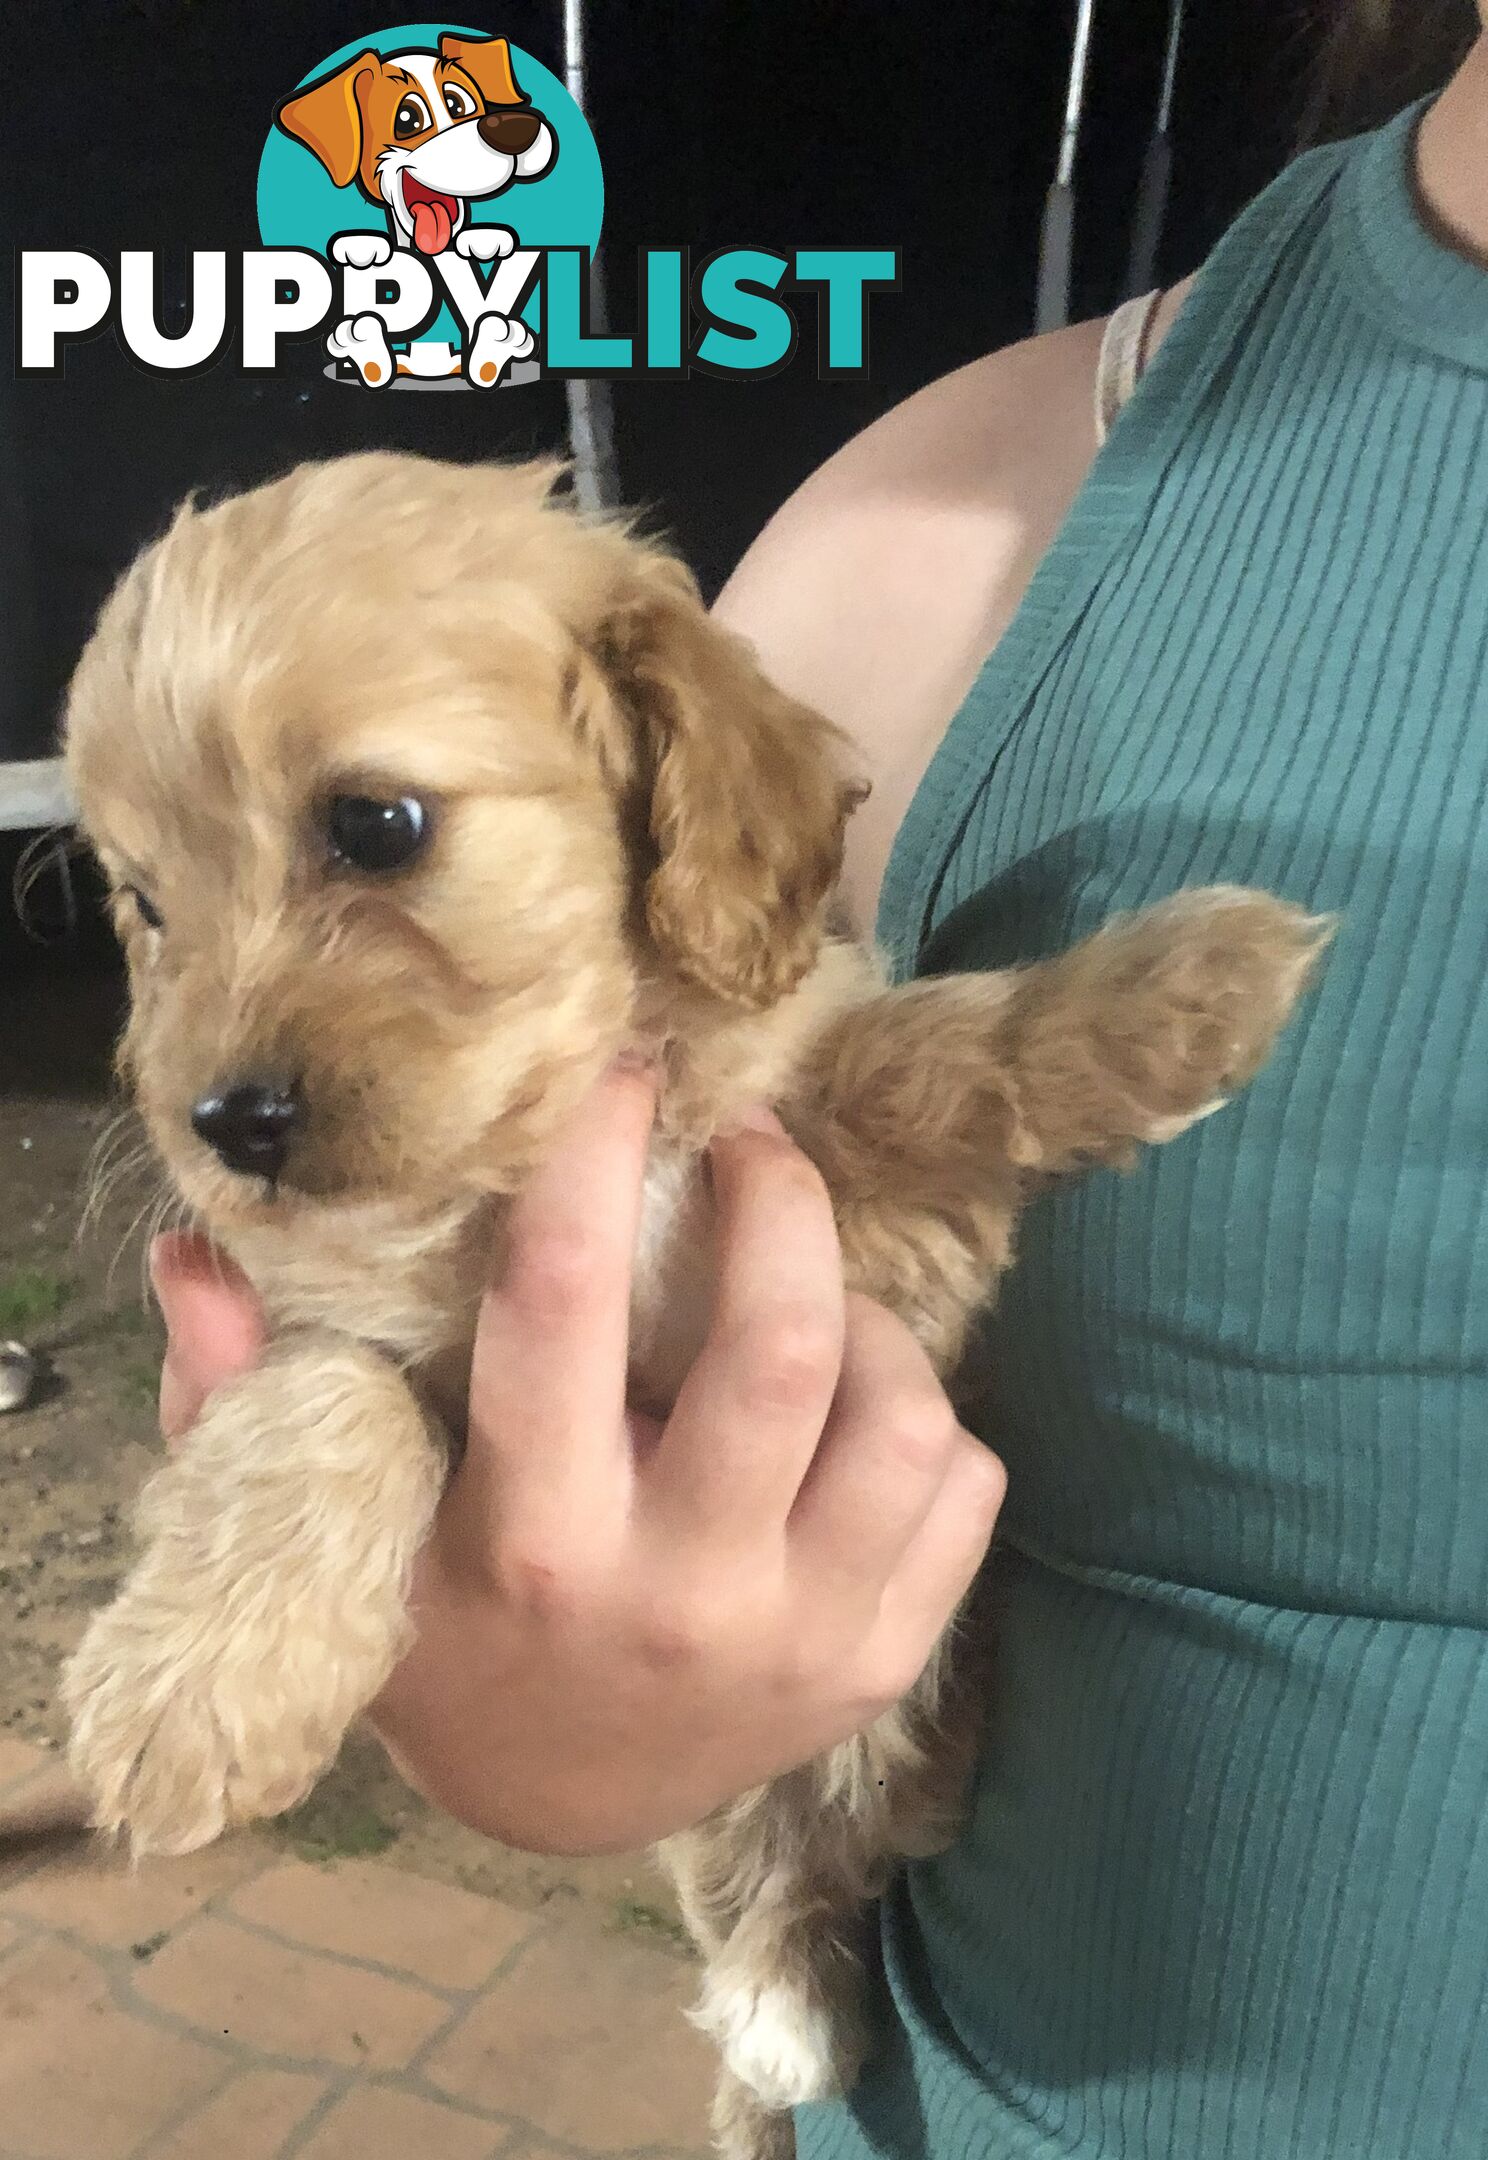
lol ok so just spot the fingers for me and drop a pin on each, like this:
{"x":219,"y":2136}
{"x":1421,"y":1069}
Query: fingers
{"x":942,"y":1559}
{"x":213,"y":1320}
{"x":883,"y":1459}
{"x":749,"y":1415}
{"x":547,"y":1393}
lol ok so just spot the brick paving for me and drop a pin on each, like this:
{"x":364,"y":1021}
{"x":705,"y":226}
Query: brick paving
{"x":241,"y":2005}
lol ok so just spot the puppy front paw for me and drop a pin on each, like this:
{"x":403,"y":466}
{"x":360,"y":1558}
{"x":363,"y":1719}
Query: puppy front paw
{"x":178,"y":1735}
{"x":269,"y":1603}
{"x":783,"y":2042}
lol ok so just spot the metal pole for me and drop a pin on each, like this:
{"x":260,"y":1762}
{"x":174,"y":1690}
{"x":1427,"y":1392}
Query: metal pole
{"x":1157,"y":172}
{"x":1057,"y":238}
{"x":591,"y":430}
{"x":1170,"y":68}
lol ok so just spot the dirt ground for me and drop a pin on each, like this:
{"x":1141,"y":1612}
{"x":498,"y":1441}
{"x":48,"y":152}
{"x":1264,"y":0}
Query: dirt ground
{"x":71,"y":1462}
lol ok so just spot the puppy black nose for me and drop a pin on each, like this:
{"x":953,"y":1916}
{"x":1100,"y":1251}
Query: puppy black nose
{"x":510,"y":131}
{"x":251,"y":1125}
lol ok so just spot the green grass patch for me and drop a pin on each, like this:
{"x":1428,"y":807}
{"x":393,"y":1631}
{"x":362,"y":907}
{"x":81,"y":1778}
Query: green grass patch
{"x":130,"y":1320}
{"x":632,"y":1916}
{"x":334,"y":1826}
{"x":30,"y":1296}
{"x":139,"y":1383}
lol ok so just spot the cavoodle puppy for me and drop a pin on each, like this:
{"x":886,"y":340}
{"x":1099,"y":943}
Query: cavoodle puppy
{"x":423,"y":798}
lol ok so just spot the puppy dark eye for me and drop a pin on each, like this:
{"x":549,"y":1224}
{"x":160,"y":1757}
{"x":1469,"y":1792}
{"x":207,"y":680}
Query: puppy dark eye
{"x":149,"y":913}
{"x":375,"y":836}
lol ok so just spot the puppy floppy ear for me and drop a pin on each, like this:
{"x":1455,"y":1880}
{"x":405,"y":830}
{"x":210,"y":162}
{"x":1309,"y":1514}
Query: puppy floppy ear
{"x":738,"y":795}
{"x":487,"y":61}
{"x":327,"y":117}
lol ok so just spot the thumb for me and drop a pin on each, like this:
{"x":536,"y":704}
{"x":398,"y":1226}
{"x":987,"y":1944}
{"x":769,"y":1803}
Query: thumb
{"x":214,"y":1324}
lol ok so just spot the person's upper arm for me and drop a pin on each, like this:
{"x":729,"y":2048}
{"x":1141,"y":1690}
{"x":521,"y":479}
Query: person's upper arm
{"x":876,"y":592}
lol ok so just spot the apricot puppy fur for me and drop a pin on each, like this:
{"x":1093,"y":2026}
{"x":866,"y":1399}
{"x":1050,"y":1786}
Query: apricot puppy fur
{"x":423,"y":797}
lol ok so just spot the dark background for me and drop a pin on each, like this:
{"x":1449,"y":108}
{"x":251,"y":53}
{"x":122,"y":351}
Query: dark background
{"x":783,"y":122}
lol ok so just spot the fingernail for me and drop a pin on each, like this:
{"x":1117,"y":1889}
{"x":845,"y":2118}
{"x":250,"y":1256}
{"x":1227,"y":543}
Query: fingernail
{"x":161,"y":1261}
{"x":173,"y":1256}
{"x":175,"y":1406}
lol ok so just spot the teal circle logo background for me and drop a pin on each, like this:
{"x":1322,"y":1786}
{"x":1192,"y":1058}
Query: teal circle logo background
{"x":300,"y":206}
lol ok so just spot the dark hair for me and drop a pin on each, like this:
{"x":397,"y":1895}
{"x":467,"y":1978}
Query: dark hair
{"x":1377,"y":55}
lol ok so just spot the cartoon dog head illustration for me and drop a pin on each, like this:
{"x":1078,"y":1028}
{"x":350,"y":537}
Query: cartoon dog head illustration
{"x":424,"y":133}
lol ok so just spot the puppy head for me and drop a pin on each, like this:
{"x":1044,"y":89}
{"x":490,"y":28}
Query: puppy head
{"x":416,"y":790}
{"x":420,"y":132}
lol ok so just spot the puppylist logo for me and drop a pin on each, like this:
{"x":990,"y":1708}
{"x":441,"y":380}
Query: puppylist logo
{"x":432,"y":179}
{"x":429,"y":200}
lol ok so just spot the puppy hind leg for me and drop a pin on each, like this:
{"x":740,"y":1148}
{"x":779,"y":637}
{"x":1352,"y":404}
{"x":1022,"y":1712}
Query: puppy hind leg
{"x":784,"y":2005}
{"x":778,"y":1929}
{"x":776,"y":1888}
{"x":268,"y":1605}
{"x":744,"y":2129}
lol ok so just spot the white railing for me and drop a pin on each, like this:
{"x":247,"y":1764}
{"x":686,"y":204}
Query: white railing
{"x":33,"y":795}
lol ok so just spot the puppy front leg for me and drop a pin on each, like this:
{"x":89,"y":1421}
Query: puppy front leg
{"x":935,"y":1109}
{"x":268,"y":1605}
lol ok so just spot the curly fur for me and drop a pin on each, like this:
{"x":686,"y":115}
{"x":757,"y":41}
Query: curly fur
{"x":635,"y":841}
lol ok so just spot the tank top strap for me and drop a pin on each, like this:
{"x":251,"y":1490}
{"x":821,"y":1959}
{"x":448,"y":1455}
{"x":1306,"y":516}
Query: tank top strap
{"x":1123,"y":355}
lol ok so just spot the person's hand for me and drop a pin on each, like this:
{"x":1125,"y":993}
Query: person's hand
{"x":621,"y":1623}
{"x":214,"y":1325}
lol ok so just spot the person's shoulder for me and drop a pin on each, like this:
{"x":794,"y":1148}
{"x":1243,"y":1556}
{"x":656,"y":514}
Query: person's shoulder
{"x":955,"y":481}
{"x":901,"y":500}
{"x":877,"y":590}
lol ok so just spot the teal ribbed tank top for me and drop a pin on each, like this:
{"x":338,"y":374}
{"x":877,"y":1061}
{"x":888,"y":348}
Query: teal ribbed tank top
{"x":1223,"y":1892}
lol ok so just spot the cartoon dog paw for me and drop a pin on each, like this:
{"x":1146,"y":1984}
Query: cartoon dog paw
{"x":485,"y":243}
{"x":497,"y":342}
{"x":362,"y":250}
{"x":363,"y":341}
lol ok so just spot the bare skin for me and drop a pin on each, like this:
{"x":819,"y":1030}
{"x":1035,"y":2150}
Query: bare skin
{"x":1452,"y":157}
{"x":875,"y":594}
{"x":878,"y":590}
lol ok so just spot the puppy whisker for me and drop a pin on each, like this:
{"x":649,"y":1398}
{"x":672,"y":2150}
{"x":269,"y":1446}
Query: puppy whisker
{"x":149,"y":1213}
{"x":53,"y":850}
{"x":121,"y":1152}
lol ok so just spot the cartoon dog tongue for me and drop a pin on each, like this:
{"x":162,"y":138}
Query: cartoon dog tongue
{"x":432,"y":225}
